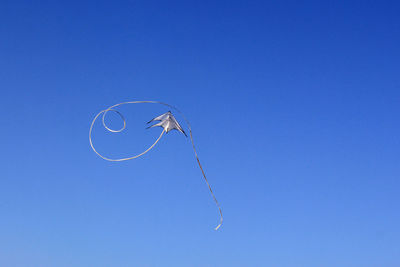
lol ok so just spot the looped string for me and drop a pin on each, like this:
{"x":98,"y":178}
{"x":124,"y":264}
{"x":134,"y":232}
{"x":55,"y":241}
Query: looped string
{"x":104,"y":112}
{"x":120,"y":115}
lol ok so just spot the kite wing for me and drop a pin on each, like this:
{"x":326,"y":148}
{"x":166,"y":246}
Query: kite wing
{"x":168,"y":122}
{"x":161,"y":117}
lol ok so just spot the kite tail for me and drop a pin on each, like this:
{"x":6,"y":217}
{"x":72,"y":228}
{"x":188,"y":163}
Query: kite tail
{"x":208,"y":184}
{"x":123,"y":159}
{"x":117,"y":131}
{"x":198,"y":161}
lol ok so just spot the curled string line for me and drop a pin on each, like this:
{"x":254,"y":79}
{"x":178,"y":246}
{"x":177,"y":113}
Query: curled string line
{"x":104,"y":112}
{"x":117,"y":131}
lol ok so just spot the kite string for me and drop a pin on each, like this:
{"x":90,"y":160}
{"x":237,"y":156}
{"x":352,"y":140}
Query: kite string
{"x":104,"y":112}
{"x":191,"y":139}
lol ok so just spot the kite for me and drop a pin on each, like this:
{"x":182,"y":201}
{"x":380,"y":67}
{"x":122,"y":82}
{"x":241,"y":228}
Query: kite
{"x":166,"y":121}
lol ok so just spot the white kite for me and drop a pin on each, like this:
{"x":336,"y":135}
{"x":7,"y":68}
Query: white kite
{"x":168,"y":122}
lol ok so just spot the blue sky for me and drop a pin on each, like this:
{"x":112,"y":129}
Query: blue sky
{"x":295,"y":113}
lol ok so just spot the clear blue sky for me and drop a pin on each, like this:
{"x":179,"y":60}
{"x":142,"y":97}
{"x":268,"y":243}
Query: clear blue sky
{"x":295,"y":110}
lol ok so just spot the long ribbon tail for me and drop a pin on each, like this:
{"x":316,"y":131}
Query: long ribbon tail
{"x":116,"y":131}
{"x":208,"y":184}
{"x":198,"y":161}
{"x":123,"y":159}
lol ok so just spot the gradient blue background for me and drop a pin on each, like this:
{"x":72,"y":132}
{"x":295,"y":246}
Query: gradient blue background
{"x":295,"y":110}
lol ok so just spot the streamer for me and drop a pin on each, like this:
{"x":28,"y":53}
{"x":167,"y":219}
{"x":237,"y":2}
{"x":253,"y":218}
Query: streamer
{"x":168,"y":122}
